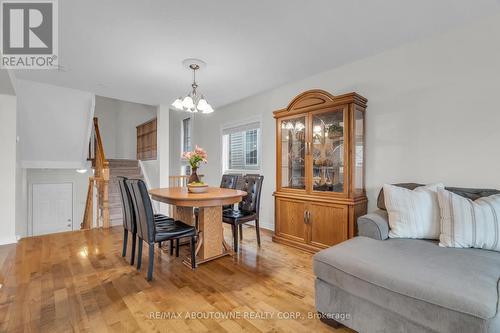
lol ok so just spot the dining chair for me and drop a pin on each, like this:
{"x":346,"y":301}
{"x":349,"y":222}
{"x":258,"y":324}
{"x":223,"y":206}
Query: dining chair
{"x":230,"y":181}
{"x":248,"y":208}
{"x":150,"y":232}
{"x":129,"y":221}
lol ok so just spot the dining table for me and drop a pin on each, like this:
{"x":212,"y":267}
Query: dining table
{"x":210,"y":244}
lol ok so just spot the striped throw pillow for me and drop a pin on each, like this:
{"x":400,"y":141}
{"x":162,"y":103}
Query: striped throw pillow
{"x":467,"y":223}
{"x":413,"y":213}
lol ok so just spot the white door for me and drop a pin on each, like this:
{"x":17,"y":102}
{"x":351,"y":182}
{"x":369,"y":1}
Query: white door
{"x":52,"y":208}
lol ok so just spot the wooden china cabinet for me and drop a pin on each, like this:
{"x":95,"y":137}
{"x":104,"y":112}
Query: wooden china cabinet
{"x":320,"y":186}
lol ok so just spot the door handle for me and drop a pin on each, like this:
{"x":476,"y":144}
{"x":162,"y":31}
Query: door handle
{"x":308,"y":217}
{"x":307,"y":214}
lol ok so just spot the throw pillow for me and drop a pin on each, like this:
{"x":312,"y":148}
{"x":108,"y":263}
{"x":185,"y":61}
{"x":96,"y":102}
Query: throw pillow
{"x":467,"y":223}
{"x":413,"y":213}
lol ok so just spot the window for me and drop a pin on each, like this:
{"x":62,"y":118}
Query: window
{"x":241,"y":147}
{"x":186,"y":144}
{"x":146,"y":141}
{"x":186,"y":135}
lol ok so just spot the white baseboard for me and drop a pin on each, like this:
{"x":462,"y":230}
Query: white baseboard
{"x":8,"y":240}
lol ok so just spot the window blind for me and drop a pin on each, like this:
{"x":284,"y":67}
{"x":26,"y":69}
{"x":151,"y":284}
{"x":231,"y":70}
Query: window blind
{"x":241,"y":128}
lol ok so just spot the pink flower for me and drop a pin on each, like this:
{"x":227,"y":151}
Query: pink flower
{"x":196,"y":157}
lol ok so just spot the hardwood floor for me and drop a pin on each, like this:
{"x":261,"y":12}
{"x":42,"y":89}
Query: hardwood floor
{"x":78,"y":281}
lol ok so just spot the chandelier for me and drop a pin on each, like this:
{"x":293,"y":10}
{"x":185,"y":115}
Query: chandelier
{"x":194,"y":101}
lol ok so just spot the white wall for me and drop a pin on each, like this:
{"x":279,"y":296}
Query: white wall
{"x":8,"y":169}
{"x":163,"y":114}
{"x":54,"y":125}
{"x":6,"y":86}
{"x":117,"y":123}
{"x":56,"y":176}
{"x":432,"y":113}
{"x":176,"y":118}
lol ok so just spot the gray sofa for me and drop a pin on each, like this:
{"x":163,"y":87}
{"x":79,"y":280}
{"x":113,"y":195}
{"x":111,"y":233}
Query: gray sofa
{"x":375,"y":284}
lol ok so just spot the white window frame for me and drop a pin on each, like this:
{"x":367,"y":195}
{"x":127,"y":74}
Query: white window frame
{"x":184,"y":163}
{"x":224,"y":146}
{"x":182,"y":132}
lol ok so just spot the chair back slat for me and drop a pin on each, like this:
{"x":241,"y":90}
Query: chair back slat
{"x":143,"y":209}
{"x":252,"y":184}
{"x":129,"y":222}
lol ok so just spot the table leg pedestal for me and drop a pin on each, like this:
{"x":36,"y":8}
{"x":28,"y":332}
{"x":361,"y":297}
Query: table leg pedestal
{"x":211,"y":244}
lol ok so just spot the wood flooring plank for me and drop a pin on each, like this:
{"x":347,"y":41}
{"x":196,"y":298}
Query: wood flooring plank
{"x":78,"y":282}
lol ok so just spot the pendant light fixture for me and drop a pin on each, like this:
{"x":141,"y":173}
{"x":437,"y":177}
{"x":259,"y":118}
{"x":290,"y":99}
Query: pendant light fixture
{"x":194,"y":101}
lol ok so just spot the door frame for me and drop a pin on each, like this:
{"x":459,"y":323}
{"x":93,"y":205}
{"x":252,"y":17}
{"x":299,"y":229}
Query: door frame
{"x":30,"y":203}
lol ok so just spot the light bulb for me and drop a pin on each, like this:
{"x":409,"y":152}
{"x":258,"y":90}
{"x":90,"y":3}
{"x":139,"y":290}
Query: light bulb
{"x":177,"y":104}
{"x":289,"y":126}
{"x":202,"y":104}
{"x":187,"y":103}
{"x":317,"y":129}
{"x":208,"y":109}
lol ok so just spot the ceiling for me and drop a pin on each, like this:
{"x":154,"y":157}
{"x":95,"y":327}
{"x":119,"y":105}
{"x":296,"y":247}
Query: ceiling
{"x":132,"y":50}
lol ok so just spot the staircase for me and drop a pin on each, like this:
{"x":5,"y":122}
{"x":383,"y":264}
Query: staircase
{"x":124,"y":168}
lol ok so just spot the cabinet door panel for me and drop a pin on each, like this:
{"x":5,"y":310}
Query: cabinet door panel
{"x":290,"y":216}
{"x":328,"y":224}
{"x":292,"y":153}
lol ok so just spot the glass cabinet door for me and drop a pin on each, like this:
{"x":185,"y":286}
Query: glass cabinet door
{"x":293,"y":153}
{"x":328,"y":136}
{"x":359,"y":151}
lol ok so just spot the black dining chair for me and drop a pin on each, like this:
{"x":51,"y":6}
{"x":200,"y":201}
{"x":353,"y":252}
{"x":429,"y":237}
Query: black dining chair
{"x":248,"y":208}
{"x":150,"y":232}
{"x":228,"y":181}
{"x":129,"y":222}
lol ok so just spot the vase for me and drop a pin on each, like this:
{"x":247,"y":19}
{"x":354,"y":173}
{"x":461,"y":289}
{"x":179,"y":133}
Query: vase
{"x":193,"y":178}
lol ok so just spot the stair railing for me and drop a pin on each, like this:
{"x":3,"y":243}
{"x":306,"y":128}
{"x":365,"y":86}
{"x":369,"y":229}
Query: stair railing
{"x":99,"y":181}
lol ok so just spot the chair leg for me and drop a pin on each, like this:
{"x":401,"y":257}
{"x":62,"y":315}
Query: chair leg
{"x":193,"y":252}
{"x":132,"y":256}
{"x":139,"y":254}
{"x":151,"y":261}
{"x":171,"y":247}
{"x":177,"y":241}
{"x":235,"y":237}
{"x":125,"y":239}
{"x":257,"y":231}
{"x":241,"y":231}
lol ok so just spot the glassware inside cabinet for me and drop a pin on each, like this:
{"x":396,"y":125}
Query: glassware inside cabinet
{"x":293,"y":153}
{"x":328,"y":151}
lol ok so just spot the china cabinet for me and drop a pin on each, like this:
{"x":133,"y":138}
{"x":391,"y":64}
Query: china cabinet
{"x":320,"y":190}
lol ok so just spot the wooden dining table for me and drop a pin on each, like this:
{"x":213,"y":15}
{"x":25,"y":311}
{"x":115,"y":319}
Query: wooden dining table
{"x":211,"y":244}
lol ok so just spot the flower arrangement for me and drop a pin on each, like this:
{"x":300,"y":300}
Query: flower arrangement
{"x":195,"y":158}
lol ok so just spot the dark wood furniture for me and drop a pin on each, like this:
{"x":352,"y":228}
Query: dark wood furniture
{"x":248,"y":209}
{"x":147,"y":140}
{"x":320,"y":189}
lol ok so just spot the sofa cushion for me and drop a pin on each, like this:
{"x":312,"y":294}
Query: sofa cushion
{"x":467,"y":223}
{"x":470,"y":193}
{"x":413,"y":213}
{"x":463,"y":280}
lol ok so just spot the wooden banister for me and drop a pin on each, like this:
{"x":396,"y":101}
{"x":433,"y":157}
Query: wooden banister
{"x":100,"y":180}
{"x":89,"y":207}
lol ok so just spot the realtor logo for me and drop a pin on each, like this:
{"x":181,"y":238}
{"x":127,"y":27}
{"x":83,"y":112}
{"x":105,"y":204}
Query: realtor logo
{"x":29,"y":34}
